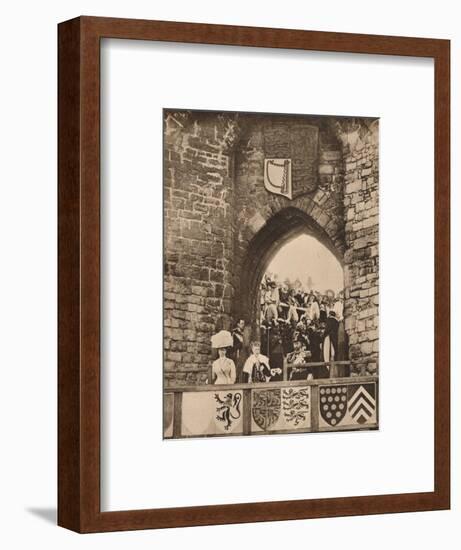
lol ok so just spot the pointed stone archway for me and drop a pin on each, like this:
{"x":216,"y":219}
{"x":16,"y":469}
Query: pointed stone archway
{"x":276,"y":232}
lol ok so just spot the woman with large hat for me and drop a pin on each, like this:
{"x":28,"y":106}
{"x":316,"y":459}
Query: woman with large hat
{"x":223,"y":368}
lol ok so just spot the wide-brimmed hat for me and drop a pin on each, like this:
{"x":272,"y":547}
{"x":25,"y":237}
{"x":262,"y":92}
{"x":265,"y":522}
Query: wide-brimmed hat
{"x":223,"y":339}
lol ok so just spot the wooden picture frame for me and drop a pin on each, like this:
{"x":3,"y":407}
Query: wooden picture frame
{"x":79,"y":274}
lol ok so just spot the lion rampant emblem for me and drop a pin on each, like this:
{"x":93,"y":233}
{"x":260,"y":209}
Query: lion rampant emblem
{"x":228,"y":408}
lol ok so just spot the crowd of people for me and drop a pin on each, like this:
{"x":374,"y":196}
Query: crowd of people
{"x":291,"y":302}
{"x":298,"y":330}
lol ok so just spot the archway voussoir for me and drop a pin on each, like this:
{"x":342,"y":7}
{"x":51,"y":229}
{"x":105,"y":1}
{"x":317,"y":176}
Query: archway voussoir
{"x":321,"y":197}
{"x":278,"y":204}
{"x":254,"y":224}
{"x":323,"y":220}
{"x":316,"y":212}
{"x":307,"y":205}
{"x":332,"y":228}
{"x":339,"y":244}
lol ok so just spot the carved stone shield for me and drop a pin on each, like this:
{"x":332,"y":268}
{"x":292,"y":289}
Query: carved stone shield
{"x":299,"y":143}
{"x":277,"y":176}
{"x":228,"y":410}
{"x":296,"y":406}
{"x":333,"y":403}
{"x":362,"y":403}
{"x":266,"y":407}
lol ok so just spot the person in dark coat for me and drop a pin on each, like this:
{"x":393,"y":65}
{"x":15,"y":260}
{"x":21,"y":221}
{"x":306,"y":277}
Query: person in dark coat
{"x":276,"y":354}
{"x":264,"y":336}
{"x":331,"y":329}
{"x":330,"y":343}
{"x":237,"y":347}
{"x":315,"y":342}
{"x":299,"y":356}
{"x":324,"y":309}
{"x":317,"y":337}
{"x":287,"y":331}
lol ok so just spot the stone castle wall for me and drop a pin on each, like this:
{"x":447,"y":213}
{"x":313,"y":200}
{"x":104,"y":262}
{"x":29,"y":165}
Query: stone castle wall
{"x":216,"y":207}
{"x":361,"y":258}
{"x":256,"y":207}
{"x":198,"y":210}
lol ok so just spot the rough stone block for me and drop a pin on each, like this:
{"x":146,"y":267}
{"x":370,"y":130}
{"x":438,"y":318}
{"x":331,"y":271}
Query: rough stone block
{"x":354,"y":186}
{"x":366,"y":348}
{"x":326,"y":169}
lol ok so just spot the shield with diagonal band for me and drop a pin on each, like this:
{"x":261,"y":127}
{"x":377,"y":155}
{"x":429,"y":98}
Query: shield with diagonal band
{"x":277,"y":176}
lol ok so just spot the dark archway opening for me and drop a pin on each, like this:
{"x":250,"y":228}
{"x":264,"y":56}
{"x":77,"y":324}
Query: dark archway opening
{"x":272,"y":237}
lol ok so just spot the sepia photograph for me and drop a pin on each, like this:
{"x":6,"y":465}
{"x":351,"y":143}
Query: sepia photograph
{"x":271,"y":273}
